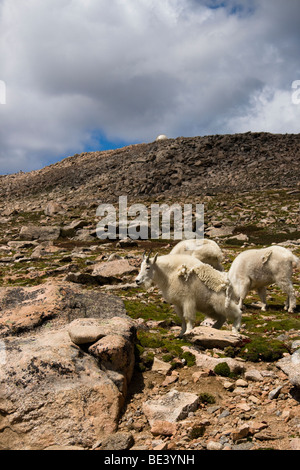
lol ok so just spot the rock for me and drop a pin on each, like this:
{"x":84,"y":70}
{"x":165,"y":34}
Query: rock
{"x":170,"y":379}
{"x":257,"y":426}
{"x":210,"y":338}
{"x":214,"y":232}
{"x":53,"y":208}
{"x":118,"y":441}
{"x":113,"y":257}
{"x":82,"y":278}
{"x":90,"y":330}
{"x":213,"y":445}
{"x":159,"y":445}
{"x":172,"y":407}
{"x":295,"y":345}
{"x":163,"y":428}
{"x":161,"y":366}
{"x":18,"y":245}
{"x":33,"y":232}
{"x":109,"y":272}
{"x":295,"y":358}
{"x":126,"y":242}
{"x":241,"y":383}
{"x":240,"y":433}
{"x":115,"y":352}
{"x":58,"y":447}
{"x":253,"y":375}
{"x":70,"y":229}
{"x":228,"y":385}
{"x":84,"y":235}
{"x":85,"y":330}
{"x":54,"y":394}
{"x":209,"y":363}
{"x":274,"y":393}
{"x":240,"y":237}
{"x":91,"y":279}
{"x":295,"y":443}
{"x":290,"y":365}
{"x":243,"y":406}
{"x":26,"y":308}
{"x":114,"y":268}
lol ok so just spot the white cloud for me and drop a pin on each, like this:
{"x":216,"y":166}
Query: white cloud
{"x":271,"y":111}
{"x":133,"y":69}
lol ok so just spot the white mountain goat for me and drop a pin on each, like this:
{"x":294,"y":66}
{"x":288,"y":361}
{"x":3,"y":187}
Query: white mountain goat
{"x":257,"y":269}
{"x":191,"y":286}
{"x":204,"y":250}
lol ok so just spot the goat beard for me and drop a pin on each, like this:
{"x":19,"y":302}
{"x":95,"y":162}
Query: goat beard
{"x":148,"y":283}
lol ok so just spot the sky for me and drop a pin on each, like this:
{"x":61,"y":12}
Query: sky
{"x":85,"y":75}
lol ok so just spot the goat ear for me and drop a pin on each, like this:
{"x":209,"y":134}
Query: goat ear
{"x":155,"y":258}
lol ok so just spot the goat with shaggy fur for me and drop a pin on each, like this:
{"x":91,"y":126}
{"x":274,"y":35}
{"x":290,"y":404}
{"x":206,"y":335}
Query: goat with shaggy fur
{"x":257,"y":269}
{"x":191,"y":286}
{"x":204,"y":250}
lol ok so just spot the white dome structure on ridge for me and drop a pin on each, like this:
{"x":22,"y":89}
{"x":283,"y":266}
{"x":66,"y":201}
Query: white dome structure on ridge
{"x":161,"y":137}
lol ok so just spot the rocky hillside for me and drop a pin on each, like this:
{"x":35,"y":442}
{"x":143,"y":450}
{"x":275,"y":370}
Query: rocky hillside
{"x":90,"y":361}
{"x":174,"y":167}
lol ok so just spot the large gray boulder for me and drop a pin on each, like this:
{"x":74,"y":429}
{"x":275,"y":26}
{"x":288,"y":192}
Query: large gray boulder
{"x":52,"y":393}
{"x":26,"y":308}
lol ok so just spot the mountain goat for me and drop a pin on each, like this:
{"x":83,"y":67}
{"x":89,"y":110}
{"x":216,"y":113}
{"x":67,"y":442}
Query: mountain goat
{"x":257,"y":269}
{"x":191,"y":286}
{"x":206,"y":251}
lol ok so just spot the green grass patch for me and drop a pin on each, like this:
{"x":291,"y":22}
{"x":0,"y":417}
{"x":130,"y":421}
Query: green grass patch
{"x":207,"y":398}
{"x":169,"y":346}
{"x":263,"y":349}
{"x":150,"y":311}
{"x":222,"y":369}
{"x":262,"y":323}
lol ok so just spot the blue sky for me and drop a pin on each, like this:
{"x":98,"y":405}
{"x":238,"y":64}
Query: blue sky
{"x":87,"y":75}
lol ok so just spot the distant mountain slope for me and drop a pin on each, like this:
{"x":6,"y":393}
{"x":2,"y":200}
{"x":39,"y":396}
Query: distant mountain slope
{"x":173,"y":167}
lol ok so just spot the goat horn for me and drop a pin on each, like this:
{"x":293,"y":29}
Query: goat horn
{"x":149,"y":255}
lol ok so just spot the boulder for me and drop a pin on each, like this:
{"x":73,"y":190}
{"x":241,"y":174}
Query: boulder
{"x":118,"y":441}
{"x":26,"y":308}
{"x":114,"y":268}
{"x":210,"y":338}
{"x":209,"y":363}
{"x":127,"y":242}
{"x":43,"y":233}
{"x":90,"y":330}
{"x":70,"y":229}
{"x":172,"y":407}
{"x":53,"y":208}
{"x":161,"y":367}
{"x":54,"y":394}
{"x":90,"y":279}
{"x":115,"y":353}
